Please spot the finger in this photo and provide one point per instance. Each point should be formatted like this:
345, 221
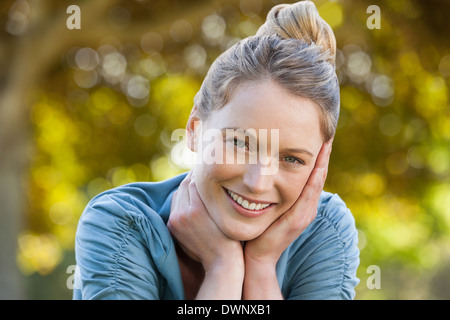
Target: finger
324, 155
182, 192
322, 162
194, 196
312, 188
186, 180
304, 209
325, 161
313, 202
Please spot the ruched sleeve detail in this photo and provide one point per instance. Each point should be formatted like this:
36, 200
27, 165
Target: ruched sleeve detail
122, 247
323, 261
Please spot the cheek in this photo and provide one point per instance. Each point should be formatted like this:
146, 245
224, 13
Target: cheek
217, 172
210, 179
217, 162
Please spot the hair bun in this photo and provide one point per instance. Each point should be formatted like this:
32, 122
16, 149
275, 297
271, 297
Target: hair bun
300, 20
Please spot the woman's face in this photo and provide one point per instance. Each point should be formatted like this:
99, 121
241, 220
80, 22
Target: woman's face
245, 197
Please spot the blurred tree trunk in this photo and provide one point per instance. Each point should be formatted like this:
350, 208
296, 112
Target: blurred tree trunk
13, 160
21, 69
14, 129
30, 57
14, 157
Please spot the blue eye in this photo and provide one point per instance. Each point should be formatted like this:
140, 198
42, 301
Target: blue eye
293, 160
239, 143
290, 159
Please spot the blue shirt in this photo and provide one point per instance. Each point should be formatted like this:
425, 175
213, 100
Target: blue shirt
125, 251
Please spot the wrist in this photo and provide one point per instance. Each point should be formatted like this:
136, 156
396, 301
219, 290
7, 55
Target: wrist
260, 261
223, 280
228, 258
260, 267
261, 280
226, 265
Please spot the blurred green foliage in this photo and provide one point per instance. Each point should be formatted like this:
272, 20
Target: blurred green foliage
105, 114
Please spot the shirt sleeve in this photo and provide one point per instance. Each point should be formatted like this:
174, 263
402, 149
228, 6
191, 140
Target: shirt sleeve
112, 251
325, 258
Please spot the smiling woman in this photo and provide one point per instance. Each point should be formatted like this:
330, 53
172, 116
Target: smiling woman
255, 105
232, 229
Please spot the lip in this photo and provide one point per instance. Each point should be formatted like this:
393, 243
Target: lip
246, 212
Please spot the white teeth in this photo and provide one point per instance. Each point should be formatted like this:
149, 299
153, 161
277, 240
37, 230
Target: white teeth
246, 204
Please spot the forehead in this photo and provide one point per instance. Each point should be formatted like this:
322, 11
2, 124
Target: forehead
266, 105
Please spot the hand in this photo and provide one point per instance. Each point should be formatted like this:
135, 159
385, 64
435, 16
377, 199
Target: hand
195, 231
269, 246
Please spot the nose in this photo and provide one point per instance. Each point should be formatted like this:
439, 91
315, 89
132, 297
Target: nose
256, 180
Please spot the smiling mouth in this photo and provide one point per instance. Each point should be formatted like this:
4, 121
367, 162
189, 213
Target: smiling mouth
247, 204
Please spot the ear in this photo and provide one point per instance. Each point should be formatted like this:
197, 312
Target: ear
192, 129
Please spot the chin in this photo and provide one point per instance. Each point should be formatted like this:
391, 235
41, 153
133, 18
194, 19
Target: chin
242, 232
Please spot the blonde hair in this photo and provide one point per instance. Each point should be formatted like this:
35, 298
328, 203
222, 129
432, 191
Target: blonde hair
295, 48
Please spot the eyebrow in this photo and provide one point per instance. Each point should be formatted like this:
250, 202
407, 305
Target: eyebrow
287, 150
298, 150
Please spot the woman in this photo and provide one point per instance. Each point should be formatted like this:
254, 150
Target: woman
237, 229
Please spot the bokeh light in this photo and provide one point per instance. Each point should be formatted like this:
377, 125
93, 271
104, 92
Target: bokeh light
108, 104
